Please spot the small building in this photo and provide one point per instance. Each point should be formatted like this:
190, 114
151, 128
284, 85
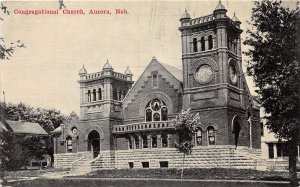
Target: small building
22, 128
274, 151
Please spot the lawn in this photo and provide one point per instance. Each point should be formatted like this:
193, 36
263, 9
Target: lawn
197, 173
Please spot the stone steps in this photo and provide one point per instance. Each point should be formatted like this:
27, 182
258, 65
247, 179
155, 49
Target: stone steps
200, 158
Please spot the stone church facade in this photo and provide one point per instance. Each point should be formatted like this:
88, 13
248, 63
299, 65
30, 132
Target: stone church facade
123, 124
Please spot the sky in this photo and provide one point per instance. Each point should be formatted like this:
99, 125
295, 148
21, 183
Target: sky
45, 73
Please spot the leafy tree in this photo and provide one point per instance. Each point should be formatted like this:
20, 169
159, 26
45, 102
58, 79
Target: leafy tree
49, 119
16, 149
30, 146
185, 126
274, 65
6, 48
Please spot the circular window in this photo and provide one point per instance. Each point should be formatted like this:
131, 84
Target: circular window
233, 74
204, 74
74, 130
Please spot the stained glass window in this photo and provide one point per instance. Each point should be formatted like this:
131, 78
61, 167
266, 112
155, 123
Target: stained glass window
156, 110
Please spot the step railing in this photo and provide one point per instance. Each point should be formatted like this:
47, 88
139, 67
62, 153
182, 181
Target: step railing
73, 164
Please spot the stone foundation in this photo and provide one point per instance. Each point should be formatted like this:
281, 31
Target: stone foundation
201, 157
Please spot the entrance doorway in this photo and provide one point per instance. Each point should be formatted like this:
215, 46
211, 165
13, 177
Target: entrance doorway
94, 143
236, 131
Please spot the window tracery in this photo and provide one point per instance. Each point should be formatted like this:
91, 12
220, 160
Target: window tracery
156, 110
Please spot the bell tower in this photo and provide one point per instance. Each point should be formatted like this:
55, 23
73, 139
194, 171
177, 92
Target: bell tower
211, 59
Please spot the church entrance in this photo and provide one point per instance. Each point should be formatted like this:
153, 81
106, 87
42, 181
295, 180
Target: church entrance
236, 131
94, 143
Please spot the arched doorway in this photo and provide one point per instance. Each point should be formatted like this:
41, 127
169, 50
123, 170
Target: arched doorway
94, 143
236, 131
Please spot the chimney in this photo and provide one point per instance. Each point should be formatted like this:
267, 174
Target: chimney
20, 117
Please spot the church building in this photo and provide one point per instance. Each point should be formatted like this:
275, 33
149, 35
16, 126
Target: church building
126, 124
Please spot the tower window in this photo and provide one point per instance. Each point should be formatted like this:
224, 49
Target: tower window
195, 43
262, 129
155, 81
211, 136
156, 110
210, 42
202, 44
94, 95
99, 94
89, 96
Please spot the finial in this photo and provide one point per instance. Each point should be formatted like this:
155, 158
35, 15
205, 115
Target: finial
153, 58
107, 60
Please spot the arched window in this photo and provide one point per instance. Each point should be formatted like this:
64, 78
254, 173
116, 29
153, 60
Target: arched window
99, 94
198, 137
145, 141
164, 114
129, 143
154, 141
210, 42
156, 110
137, 142
69, 144
211, 136
202, 44
89, 96
148, 115
156, 117
94, 95
195, 43
164, 140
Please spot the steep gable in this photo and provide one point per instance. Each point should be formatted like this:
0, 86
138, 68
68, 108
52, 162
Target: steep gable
168, 89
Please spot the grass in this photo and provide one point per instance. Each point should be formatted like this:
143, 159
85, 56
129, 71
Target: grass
191, 173
15, 175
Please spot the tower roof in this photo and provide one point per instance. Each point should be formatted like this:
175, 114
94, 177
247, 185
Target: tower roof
82, 71
235, 19
185, 15
220, 6
107, 66
127, 71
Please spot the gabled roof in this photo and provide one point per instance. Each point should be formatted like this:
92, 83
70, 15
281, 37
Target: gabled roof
57, 130
23, 127
177, 73
71, 116
174, 76
4, 125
